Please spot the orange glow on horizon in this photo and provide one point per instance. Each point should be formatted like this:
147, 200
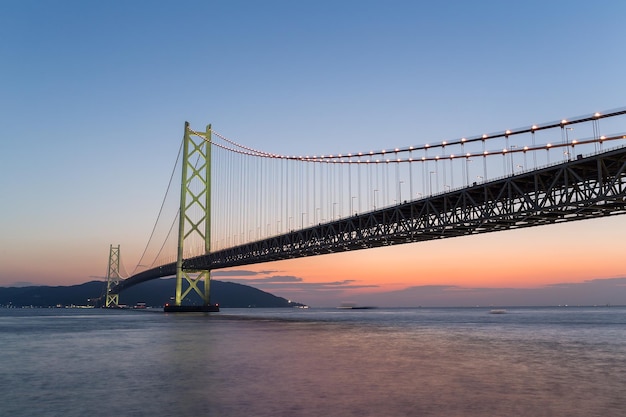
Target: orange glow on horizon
524, 258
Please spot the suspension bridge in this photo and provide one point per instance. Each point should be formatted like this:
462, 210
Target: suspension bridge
239, 206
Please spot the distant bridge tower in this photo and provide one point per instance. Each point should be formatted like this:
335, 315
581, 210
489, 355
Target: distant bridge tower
113, 277
195, 213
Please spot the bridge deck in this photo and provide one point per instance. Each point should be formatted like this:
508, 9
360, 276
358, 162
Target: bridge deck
582, 188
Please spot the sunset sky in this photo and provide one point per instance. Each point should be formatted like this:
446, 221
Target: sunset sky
94, 95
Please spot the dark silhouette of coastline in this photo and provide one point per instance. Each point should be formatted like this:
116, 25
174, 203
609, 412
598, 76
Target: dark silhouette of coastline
154, 294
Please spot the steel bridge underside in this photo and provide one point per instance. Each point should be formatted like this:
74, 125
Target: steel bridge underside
583, 188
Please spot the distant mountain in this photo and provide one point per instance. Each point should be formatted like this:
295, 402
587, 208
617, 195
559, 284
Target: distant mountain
154, 293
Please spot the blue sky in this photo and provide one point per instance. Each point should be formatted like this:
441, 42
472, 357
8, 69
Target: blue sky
93, 97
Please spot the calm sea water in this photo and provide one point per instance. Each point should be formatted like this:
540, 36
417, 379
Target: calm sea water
257, 362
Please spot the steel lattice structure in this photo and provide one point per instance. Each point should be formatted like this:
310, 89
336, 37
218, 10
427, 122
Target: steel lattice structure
196, 170
582, 188
113, 277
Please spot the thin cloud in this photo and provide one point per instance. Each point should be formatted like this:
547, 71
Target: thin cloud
298, 284
333, 285
22, 284
240, 273
592, 292
274, 279
433, 288
597, 282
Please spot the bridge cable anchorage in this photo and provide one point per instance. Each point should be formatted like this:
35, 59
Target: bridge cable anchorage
265, 206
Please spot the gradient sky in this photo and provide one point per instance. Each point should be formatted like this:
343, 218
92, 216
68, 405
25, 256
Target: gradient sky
94, 95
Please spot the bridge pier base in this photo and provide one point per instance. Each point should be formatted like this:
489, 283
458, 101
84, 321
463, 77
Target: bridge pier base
211, 308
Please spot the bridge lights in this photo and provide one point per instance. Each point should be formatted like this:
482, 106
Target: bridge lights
548, 146
525, 150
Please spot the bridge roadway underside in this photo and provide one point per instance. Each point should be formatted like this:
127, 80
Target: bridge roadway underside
582, 188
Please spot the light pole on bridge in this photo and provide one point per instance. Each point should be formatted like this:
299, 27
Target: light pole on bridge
430, 182
567, 154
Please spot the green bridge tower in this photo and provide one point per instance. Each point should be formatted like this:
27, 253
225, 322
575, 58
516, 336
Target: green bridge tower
113, 276
194, 219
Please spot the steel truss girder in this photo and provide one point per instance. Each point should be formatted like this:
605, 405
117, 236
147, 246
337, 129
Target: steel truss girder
574, 190
579, 189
